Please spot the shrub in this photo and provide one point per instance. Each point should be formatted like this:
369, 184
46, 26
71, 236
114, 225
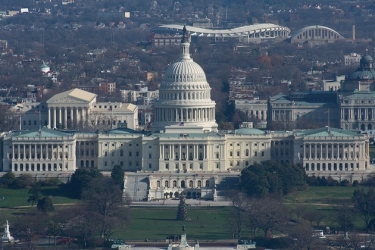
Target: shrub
344, 183
355, 183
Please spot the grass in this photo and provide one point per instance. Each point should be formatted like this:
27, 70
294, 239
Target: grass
321, 195
158, 223
18, 197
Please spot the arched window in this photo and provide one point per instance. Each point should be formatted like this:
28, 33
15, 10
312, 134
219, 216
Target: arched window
207, 183
174, 183
166, 184
183, 184
307, 167
199, 183
190, 184
158, 184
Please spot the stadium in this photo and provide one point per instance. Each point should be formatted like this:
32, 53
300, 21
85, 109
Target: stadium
243, 33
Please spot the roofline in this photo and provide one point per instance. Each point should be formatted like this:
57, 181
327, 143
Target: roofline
314, 27
235, 32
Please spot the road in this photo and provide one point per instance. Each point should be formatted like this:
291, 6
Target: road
174, 203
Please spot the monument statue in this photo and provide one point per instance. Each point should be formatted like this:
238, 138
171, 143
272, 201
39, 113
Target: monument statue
6, 236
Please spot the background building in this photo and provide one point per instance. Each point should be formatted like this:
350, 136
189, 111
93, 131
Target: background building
315, 35
185, 152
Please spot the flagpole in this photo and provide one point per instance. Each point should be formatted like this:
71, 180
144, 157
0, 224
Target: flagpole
328, 117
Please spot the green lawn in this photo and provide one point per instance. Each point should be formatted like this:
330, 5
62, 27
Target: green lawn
18, 197
158, 223
321, 195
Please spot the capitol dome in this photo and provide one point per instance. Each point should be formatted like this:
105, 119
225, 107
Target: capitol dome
185, 71
365, 71
184, 96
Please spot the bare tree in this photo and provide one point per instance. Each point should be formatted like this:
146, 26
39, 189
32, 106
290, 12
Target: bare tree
299, 211
267, 214
303, 236
104, 198
345, 217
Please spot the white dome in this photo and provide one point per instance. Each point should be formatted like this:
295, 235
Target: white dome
184, 71
184, 97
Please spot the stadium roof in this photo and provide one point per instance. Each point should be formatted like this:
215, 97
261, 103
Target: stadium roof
312, 27
235, 32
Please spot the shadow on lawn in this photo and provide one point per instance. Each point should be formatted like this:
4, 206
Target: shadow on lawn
55, 191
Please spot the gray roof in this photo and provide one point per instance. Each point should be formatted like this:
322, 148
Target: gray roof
122, 131
78, 94
328, 132
249, 131
44, 132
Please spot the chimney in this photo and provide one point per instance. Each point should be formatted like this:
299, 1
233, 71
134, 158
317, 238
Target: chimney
353, 32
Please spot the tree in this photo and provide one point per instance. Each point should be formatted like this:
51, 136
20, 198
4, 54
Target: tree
24, 181
303, 236
9, 179
345, 217
240, 205
34, 194
81, 181
182, 209
117, 175
364, 203
104, 197
45, 205
299, 211
271, 177
267, 214
54, 229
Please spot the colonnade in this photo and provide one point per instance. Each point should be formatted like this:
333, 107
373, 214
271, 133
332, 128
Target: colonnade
184, 114
41, 157
281, 115
67, 117
337, 151
183, 152
351, 114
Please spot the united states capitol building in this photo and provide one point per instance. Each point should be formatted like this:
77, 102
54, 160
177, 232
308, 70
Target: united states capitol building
184, 152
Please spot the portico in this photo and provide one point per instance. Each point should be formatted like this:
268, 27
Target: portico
70, 109
67, 117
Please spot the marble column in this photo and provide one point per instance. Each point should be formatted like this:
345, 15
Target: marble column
60, 117
49, 118
54, 118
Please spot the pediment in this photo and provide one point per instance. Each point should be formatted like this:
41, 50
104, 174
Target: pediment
69, 100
